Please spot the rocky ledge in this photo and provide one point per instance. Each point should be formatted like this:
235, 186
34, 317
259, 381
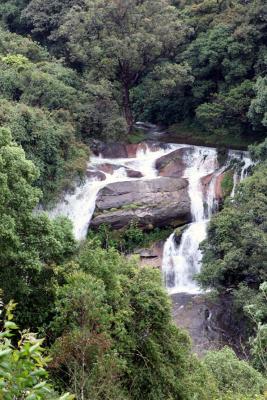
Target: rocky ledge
173, 164
152, 203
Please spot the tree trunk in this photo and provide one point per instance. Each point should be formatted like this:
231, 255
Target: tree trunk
127, 108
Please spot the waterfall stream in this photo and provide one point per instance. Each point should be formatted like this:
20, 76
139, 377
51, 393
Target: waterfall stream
80, 205
180, 261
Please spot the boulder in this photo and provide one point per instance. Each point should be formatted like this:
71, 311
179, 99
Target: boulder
173, 164
108, 168
131, 150
122, 150
152, 203
133, 174
152, 256
114, 150
98, 175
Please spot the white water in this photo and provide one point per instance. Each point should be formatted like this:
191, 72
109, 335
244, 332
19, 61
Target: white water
181, 263
240, 173
80, 205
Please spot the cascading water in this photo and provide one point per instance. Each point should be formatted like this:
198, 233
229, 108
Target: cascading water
80, 205
181, 262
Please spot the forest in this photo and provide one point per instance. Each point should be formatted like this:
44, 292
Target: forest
80, 319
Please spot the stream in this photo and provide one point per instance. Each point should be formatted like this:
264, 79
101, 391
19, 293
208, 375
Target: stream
181, 259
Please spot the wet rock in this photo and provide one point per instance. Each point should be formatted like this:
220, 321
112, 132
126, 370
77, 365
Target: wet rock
98, 175
179, 233
152, 256
108, 168
218, 187
133, 174
114, 150
172, 165
152, 203
122, 150
97, 146
205, 181
131, 150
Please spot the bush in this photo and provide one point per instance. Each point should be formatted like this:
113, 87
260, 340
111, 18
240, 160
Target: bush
233, 375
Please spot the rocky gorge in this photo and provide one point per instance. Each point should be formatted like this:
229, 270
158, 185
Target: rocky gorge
159, 185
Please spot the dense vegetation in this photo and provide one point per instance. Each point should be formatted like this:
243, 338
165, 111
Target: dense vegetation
235, 255
71, 72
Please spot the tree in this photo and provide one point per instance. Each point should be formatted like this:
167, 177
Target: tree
256, 309
84, 347
30, 244
258, 107
234, 376
120, 40
112, 314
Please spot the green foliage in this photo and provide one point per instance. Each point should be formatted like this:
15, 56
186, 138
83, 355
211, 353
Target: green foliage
258, 107
115, 314
256, 309
259, 152
48, 140
127, 240
235, 250
30, 244
22, 367
227, 183
117, 41
235, 256
234, 376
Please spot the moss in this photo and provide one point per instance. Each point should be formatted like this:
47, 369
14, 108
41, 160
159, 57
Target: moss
132, 206
228, 183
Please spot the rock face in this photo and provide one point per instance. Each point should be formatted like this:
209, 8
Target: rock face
206, 180
157, 202
121, 150
152, 256
173, 165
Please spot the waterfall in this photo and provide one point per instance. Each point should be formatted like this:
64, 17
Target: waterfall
240, 174
79, 206
181, 262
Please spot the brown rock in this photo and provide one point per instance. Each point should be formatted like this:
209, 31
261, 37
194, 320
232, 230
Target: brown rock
133, 174
100, 176
156, 202
205, 181
172, 164
108, 168
131, 150
218, 187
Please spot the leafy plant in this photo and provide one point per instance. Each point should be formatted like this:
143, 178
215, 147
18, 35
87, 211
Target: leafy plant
23, 372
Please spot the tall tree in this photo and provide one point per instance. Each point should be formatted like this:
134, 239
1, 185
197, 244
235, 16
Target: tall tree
121, 40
